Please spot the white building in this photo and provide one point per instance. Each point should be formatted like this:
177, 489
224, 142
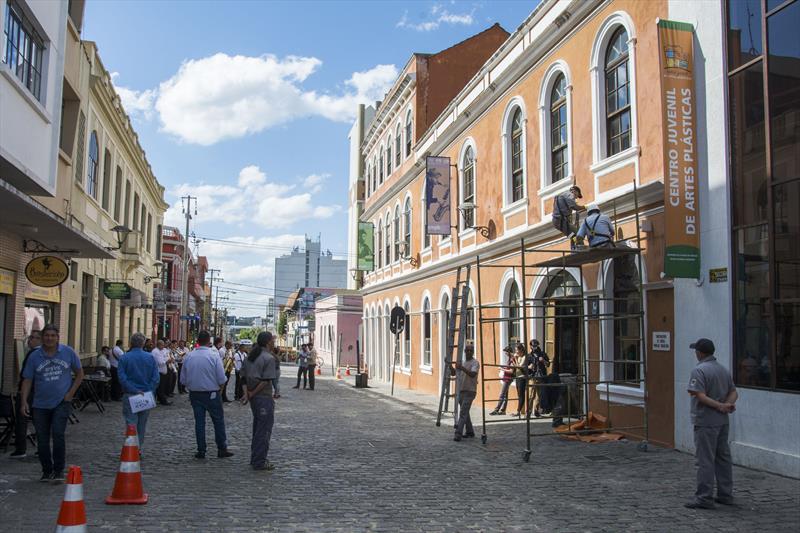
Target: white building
307, 267
356, 188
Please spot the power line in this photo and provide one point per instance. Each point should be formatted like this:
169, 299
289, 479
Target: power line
240, 244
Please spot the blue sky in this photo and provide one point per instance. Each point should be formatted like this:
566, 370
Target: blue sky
248, 105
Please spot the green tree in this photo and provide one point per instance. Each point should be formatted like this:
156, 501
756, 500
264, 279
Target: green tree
282, 324
250, 333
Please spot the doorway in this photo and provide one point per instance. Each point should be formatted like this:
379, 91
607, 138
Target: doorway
562, 324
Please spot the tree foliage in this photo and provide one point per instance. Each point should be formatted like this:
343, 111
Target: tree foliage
250, 333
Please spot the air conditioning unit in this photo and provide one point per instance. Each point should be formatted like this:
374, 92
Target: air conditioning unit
131, 243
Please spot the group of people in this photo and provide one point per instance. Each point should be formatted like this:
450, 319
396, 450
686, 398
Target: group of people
306, 363
522, 367
52, 373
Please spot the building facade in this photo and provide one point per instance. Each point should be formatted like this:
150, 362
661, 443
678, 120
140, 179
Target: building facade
337, 325
567, 99
309, 267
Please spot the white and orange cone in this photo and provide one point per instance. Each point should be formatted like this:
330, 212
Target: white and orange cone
319, 371
347, 372
128, 487
72, 516
338, 373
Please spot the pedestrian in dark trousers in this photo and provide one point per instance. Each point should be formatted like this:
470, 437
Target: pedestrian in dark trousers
203, 377
302, 366
180, 353
116, 355
49, 373
311, 364
259, 371
506, 375
713, 397
138, 373
520, 377
238, 358
20, 420
467, 378
161, 355
536, 365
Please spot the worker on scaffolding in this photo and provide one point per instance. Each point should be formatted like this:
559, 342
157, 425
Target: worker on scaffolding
564, 205
597, 227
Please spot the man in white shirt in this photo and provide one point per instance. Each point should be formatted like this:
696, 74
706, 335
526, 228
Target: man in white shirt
161, 355
238, 358
116, 355
219, 345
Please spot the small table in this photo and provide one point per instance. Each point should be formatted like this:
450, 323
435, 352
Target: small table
90, 392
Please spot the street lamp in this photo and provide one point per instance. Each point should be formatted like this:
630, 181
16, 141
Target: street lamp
122, 234
158, 265
470, 206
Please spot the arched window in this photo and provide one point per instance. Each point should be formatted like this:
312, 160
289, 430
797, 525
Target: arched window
559, 157
387, 238
426, 332
468, 186
369, 173
398, 145
407, 338
379, 242
380, 165
94, 158
617, 94
407, 227
374, 174
118, 194
627, 312
517, 151
409, 127
397, 234
106, 178
514, 333
389, 156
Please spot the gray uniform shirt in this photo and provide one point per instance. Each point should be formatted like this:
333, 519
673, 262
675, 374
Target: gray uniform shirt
468, 383
564, 204
264, 368
598, 228
713, 380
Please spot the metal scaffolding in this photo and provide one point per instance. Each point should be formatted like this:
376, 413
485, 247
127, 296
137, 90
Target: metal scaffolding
564, 302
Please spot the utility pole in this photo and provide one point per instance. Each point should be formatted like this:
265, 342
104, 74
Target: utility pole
187, 211
212, 271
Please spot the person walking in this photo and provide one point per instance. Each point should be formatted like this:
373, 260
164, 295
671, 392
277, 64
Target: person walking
302, 366
138, 373
180, 352
203, 376
506, 376
259, 371
116, 355
467, 378
713, 397
227, 366
20, 420
49, 372
311, 364
161, 357
238, 358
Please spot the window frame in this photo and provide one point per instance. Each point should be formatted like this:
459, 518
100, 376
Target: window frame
398, 145
464, 172
397, 229
407, 225
406, 360
92, 165
611, 67
556, 105
27, 65
426, 360
409, 131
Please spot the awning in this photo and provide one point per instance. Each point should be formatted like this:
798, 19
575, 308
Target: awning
22, 215
137, 299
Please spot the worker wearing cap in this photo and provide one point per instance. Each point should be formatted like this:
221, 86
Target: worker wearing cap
713, 396
597, 227
563, 206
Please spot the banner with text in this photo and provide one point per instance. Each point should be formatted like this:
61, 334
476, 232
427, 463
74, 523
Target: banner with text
437, 195
366, 246
681, 207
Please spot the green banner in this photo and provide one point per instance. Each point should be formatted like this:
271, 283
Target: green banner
366, 246
115, 290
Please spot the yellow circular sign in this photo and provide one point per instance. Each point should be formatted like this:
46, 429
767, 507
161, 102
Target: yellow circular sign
46, 271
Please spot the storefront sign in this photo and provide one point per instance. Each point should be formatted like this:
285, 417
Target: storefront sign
7, 278
43, 294
437, 195
681, 205
46, 271
366, 246
718, 275
661, 341
115, 290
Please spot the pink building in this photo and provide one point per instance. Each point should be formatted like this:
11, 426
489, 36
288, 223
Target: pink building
337, 326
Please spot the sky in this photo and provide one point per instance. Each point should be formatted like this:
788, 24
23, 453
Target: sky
247, 105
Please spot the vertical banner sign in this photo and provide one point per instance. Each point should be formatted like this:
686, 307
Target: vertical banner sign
366, 246
437, 195
681, 207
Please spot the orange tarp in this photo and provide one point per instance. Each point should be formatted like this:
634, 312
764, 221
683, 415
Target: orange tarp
591, 429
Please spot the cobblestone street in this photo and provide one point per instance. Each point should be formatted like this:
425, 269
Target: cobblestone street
350, 460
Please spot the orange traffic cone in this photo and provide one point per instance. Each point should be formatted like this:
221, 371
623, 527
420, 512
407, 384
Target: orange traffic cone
319, 371
128, 487
347, 372
72, 516
338, 373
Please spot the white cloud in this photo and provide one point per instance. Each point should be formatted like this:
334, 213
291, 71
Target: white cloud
225, 97
437, 16
254, 201
314, 182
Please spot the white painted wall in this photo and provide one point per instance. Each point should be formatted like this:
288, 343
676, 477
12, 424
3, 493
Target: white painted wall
765, 430
29, 129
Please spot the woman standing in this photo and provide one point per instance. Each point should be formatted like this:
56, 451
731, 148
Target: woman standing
520, 377
506, 376
258, 373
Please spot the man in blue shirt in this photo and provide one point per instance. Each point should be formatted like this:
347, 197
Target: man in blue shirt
49, 369
138, 373
204, 376
598, 228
